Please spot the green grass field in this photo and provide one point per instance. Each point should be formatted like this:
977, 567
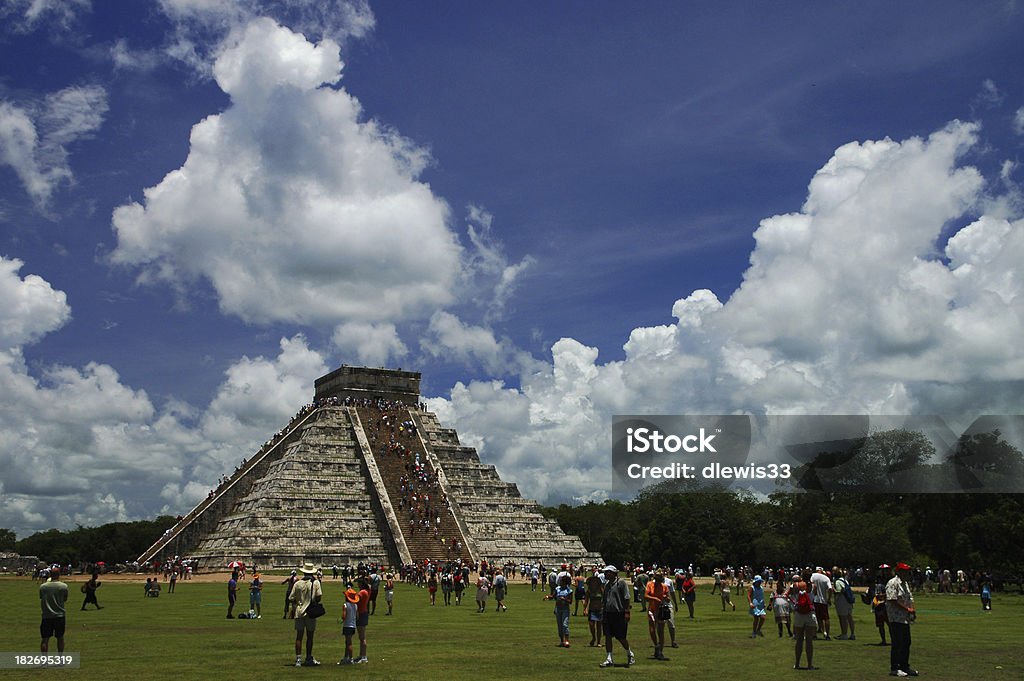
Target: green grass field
185, 635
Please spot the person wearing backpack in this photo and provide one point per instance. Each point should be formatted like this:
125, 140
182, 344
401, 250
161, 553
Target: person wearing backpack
805, 624
845, 599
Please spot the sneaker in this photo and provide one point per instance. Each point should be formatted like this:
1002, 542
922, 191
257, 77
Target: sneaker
912, 672
310, 662
298, 661
607, 663
898, 672
346, 660
632, 659
362, 660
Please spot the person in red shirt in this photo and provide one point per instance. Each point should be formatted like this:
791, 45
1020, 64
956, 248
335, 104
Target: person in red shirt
362, 619
656, 594
689, 591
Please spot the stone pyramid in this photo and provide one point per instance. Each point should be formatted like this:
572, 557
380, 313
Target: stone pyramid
365, 473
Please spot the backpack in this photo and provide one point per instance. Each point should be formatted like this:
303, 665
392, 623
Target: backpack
803, 603
848, 593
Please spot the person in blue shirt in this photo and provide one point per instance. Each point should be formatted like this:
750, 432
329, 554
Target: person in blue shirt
348, 623
563, 603
232, 593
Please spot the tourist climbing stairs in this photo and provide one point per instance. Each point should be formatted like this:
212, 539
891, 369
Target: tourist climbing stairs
412, 485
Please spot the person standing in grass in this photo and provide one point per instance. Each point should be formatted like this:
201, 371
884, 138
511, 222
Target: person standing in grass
656, 596
563, 601
304, 593
500, 589
844, 606
483, 587
780, 606
432, 587
580, 594
446, 586
459, 584
725, 589
348, 623
758, 609
617, 604
689, 591
89, 589
805, 623
256, 595
821, 594
389, 592
53, 595
593, 607
289, 581
363, 618
899, 607
232, 593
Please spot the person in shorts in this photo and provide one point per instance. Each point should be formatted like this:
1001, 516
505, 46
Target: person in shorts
805, 623
363, 618
593, 607
53, 595
617, 605
780, 606
348, 623
821, 594
304, 593
389, 592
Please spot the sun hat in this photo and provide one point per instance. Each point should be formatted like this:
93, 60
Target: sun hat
758, 578
351, 596
610, 568
308, 569
902, 566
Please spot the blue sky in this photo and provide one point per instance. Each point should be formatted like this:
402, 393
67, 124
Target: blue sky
555, 211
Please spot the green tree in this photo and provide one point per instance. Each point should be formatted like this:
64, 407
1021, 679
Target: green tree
7, 539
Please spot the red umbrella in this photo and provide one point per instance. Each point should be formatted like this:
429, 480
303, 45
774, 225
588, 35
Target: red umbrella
101, 563
236, 564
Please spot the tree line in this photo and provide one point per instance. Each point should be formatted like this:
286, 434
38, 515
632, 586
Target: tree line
111, 543
671, 527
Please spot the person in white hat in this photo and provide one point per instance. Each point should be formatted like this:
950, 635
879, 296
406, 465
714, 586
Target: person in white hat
305, 592
617, 604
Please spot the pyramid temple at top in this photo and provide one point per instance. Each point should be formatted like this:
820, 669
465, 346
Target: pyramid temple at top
366, 473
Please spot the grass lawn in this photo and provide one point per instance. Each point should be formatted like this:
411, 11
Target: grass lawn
185, 635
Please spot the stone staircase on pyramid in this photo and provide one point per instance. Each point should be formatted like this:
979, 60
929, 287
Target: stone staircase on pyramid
329, 489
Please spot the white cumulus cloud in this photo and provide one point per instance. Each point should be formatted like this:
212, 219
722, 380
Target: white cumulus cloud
79, 446
289, 204
856, 303
34, 138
